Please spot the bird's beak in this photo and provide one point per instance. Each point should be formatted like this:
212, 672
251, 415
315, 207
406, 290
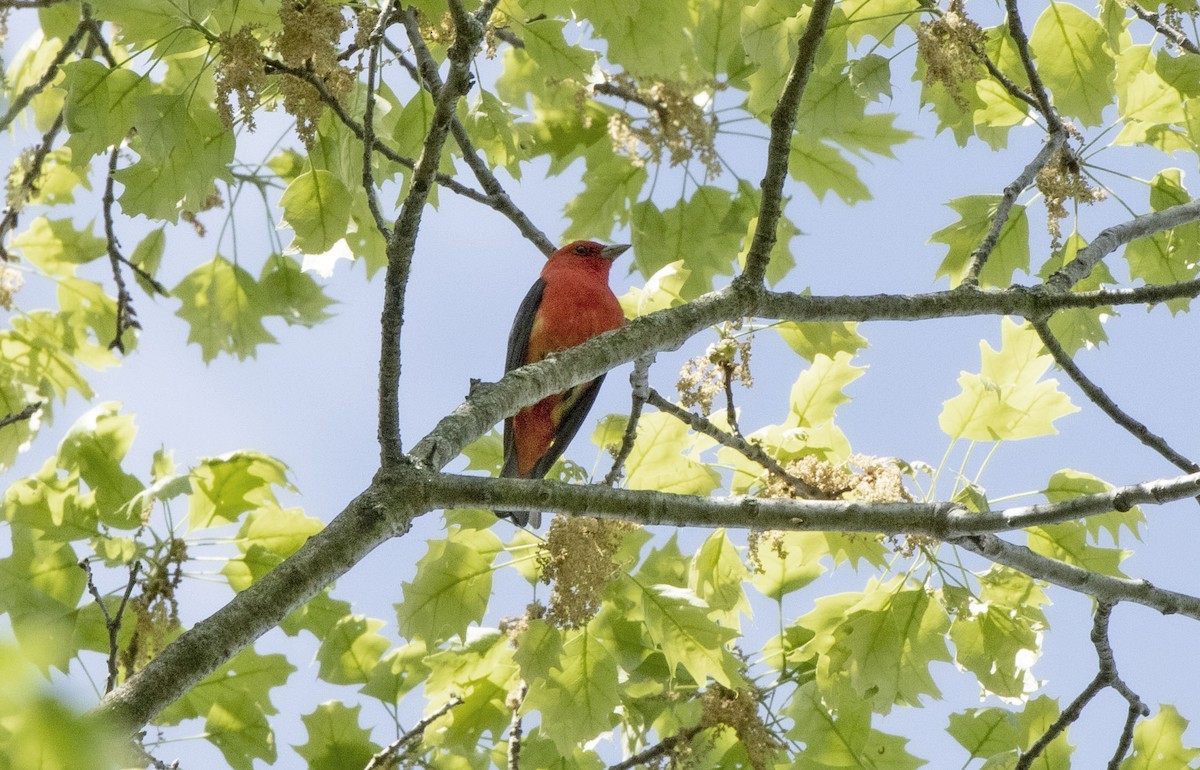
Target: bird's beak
614, 251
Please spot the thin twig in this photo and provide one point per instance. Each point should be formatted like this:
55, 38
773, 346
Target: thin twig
379, 759
1170, 33
639, 386
1017, 30
28, 184
368, 137
750, 450
662, 748
26, 413
126, 316
427, 70
783, 124
112, 623
1106, 404
21, 100
980, 255
1105, 677
515, 727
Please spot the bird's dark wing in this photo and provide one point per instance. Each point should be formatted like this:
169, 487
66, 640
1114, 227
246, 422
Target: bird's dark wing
518, 345
581, 398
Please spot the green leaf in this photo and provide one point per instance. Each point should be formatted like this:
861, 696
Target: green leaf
1007, 400
316, 205
148, 255
351, 650
184, 149
291, 294
984, 732
486, 453
716, 578
539, 649
871, 76
663, 290
225, 487
1167, 257
1068, 543
789, 561
224, 308
268, 536
318, 616
998, 636
1033, 722
1158, 742
482, 673
94, 447
823, 170
611, 186
57, 247
1010, 254
555, 59
579, 699
712, 216
1073, 61
886, 643
1077, 328
842, 737
397, 673
812, 338
335, 739
817, 392
643, 36
451, 588
663, 458
678, 621
101, 105
1144, 98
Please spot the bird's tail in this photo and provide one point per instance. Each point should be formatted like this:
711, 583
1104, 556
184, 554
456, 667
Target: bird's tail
522, 518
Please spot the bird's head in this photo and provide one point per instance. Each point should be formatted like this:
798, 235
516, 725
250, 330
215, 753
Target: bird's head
591, 250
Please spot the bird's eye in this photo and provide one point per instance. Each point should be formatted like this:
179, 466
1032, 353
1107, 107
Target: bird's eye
581, 250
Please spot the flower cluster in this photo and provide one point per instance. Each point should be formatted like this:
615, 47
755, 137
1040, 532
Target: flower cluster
239, 71
11, 282
703, 378
1061, 180
156, 609
676, 121
950, 47
738, 710
311, 29
577, 560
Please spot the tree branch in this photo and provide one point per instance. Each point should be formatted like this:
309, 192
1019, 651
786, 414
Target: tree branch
21, 100
1106, 404
126, 316
1170, 33
748, 449
25, 414
402, 244
1017, 30
1106, 676
639, 387
376, 515
383, 757
1102, 587
1118, 235
428, 73
979, 256
368, 125
779, 148
112, 623
660, 749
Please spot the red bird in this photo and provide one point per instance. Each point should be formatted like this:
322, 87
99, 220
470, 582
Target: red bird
568, 305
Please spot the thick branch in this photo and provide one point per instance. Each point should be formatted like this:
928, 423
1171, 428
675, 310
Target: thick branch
1107, 405
370, 519
942, 520
1102, 587
779, 148
1118, 235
